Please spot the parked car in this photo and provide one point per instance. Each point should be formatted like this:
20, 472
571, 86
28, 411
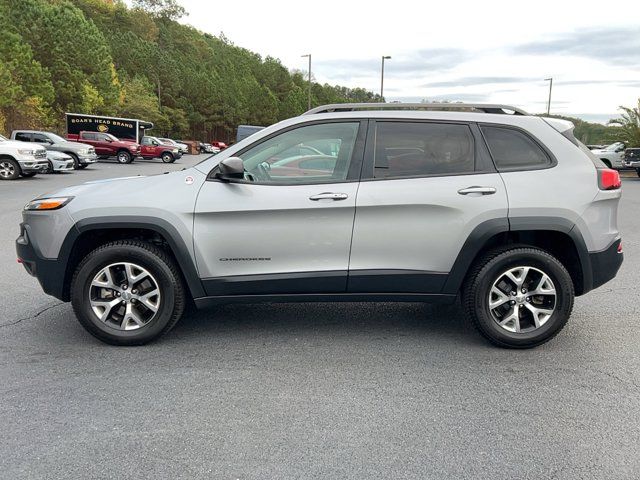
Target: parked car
207, 148
631, 159
152, 147
220, 145
106, 145
611, 155
82, 154
21, 159
488, 204
183, 147
59, 162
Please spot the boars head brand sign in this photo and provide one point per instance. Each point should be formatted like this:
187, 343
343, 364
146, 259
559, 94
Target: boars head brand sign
122, 128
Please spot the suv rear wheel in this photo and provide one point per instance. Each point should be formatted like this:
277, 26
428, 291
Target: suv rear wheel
9, 169
520, 297
127, 293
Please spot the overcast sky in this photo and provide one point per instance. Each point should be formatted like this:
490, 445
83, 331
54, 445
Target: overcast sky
476, 51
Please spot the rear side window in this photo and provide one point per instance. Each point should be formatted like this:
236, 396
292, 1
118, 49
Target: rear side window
89, 136
23, 137
513, 149
404, 149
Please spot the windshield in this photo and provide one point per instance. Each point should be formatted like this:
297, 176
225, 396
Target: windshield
612, 147
55, 138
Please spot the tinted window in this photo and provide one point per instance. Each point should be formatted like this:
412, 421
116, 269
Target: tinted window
310, 154
23, 137
513, 149
38, 137
89, 136
417, 149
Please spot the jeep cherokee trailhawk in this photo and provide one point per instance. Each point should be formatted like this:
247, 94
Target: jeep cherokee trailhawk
355, 202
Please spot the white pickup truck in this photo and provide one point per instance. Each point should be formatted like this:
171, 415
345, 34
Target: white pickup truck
21, 159
611, 155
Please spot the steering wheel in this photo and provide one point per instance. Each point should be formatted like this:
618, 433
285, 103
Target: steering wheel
262, 172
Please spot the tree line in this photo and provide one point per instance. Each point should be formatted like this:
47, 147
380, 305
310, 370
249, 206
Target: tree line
103, 57
106, 58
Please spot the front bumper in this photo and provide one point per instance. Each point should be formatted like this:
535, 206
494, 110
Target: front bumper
631, 163
34, 166
49, 272
87, 159
62, 165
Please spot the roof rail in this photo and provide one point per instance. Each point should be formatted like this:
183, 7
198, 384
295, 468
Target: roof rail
479, 107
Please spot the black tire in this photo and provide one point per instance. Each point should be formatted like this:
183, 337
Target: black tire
476, 291
29, 174
168, 157
76, 161
606, 162
49, 168
147, 256
124, 157
638, 171
9, 169
82, 166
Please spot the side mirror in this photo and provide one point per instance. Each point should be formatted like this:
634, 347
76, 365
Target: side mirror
231, 168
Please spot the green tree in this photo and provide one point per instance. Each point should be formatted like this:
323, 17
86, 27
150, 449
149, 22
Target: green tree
629, 123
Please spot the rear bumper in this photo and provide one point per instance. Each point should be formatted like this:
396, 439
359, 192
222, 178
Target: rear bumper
605, 264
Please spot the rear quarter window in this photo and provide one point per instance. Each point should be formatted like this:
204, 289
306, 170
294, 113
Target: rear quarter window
514, 150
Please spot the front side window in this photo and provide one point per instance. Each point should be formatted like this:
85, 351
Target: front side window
410, 149
310, 154
512, 149
38, 137
23, 137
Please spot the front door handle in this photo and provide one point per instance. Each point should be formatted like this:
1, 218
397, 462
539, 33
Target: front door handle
479, 190
329, 196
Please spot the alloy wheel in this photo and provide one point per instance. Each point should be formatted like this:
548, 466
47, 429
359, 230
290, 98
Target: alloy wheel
522, 299
125, 296
7, 170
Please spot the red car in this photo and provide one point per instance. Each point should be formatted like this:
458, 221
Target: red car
220, 145
106, 145
154, 148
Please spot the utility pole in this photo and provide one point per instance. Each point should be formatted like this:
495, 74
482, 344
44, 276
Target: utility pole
309, 55
384, 57
550, 80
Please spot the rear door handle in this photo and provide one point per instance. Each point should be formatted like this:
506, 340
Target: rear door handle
476, 189
329, 196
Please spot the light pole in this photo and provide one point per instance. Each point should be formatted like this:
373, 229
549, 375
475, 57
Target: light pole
550, 80
384, 57
309, 55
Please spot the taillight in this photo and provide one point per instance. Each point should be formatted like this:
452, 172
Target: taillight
608, 179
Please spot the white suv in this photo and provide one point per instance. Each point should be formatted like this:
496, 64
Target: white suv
21, 159
369, 202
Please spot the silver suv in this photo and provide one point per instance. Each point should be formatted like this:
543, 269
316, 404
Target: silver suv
356, 202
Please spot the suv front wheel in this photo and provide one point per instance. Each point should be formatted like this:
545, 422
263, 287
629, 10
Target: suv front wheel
519, 297
127, 293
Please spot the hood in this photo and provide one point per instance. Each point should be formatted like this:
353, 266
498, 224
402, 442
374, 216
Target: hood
21, 145
72, 145
53, 155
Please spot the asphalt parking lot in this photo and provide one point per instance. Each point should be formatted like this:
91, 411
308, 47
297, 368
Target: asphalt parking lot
315, 390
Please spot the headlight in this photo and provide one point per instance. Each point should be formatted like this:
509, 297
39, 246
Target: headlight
48, 203
84, 152
27, 152
175, 150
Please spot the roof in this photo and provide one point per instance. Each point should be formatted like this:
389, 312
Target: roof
465, 107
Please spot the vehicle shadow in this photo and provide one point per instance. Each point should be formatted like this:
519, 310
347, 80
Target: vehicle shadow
436, 322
